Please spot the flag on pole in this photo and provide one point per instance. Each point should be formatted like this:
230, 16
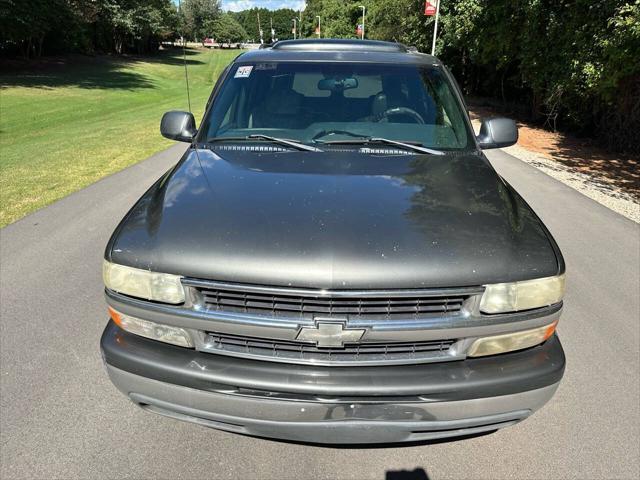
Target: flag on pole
359, 29
430, 8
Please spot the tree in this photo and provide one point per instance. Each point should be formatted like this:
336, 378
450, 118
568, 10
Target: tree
339, 18
61, 26
26, 24
134, 25
194, 15
225, 29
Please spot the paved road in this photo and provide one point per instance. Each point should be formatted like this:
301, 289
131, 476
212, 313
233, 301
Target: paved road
61, 418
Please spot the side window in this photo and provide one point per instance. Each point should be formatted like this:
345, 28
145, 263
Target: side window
231, 117
226, 120
449, 112
217, 84
458, 89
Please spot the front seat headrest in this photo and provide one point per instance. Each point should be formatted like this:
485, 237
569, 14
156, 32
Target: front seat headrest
380, 104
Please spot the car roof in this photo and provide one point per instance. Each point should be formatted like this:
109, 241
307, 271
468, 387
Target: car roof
337, 50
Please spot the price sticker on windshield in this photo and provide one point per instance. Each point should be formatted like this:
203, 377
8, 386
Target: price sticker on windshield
243, 72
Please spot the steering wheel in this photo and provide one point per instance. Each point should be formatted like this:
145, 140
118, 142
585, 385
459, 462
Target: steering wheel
400, 111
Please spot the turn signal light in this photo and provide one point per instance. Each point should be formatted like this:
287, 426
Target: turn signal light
148, 329
510, 342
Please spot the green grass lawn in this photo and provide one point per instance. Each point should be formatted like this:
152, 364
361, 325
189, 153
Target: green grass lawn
65, 124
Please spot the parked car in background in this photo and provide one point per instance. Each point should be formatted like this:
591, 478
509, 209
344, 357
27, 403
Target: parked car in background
209, 43
335, 260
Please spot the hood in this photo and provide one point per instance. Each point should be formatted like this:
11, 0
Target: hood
340, 219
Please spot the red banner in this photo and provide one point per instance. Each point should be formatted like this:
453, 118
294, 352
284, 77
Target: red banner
429, 8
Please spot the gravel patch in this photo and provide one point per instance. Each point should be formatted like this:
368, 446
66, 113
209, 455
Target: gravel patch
598, 189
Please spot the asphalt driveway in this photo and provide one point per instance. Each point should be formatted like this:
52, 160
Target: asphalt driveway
60, 416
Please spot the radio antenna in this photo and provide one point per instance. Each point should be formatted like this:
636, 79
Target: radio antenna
184, 59
194, 145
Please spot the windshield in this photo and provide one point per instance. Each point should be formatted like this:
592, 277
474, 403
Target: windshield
339, 102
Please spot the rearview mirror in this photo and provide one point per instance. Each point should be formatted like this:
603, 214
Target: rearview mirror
177, 125
337, 84
497, 133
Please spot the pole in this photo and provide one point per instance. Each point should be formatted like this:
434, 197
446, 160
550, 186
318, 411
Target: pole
319, 34
294, 27
363, 14
260, 28
299, 23
435, 28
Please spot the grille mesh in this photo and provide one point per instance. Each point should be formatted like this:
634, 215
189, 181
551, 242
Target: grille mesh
292, 305
356, 352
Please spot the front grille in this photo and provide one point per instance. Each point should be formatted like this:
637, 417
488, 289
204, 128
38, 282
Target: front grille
271, 308
306, 305
294, 351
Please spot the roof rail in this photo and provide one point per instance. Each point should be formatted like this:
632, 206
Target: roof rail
340, 45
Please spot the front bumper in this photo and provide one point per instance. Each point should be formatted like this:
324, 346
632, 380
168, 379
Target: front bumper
339, 405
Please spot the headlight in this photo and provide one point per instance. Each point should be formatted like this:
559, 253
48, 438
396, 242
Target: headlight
511, 341
155, 331
160, 287
512, 297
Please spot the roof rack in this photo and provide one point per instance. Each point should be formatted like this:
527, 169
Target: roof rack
340, 45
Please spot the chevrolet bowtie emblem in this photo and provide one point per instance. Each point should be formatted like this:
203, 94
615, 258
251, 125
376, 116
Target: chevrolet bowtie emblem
330, 334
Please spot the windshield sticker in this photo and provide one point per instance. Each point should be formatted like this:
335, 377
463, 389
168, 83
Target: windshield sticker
243, 72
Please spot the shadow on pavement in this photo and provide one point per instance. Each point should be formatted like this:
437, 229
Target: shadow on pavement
416, 474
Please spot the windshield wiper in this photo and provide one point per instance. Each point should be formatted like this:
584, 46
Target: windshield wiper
370, 140
327, 133
281, 141
408, 146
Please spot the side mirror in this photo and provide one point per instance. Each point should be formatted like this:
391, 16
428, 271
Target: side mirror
177, 125
497, 133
